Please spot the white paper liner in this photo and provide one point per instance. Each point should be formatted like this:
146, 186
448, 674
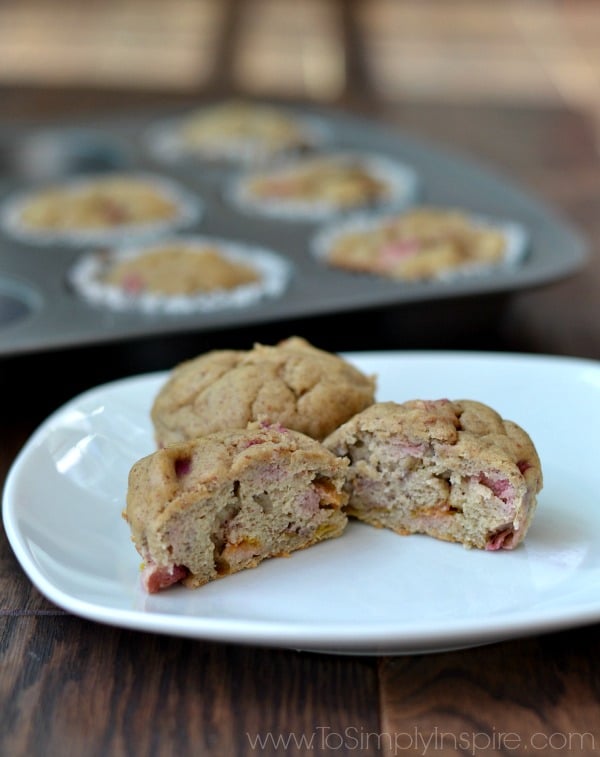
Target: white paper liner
274, 271
166, 143
189, 211
515, 236
402, 180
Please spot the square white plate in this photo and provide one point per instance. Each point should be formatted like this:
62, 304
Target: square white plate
368, 592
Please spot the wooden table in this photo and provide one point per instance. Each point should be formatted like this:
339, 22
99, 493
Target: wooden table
72, 687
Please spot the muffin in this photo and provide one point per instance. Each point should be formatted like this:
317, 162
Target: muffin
320, 186
420, 244
236, 131
99, 208
180, 275
292, 383
203, 509
172, 269
454, 470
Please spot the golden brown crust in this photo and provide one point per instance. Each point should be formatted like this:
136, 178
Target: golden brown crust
418, 244
342, 181
237, 126
106, 202
292, 383
179, 269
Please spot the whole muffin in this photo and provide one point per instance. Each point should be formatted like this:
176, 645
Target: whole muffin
236, 132
100, 209
454, 470
180, 274
209, 507
421, 244
292, 383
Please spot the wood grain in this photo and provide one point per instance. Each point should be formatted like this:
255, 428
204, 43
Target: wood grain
70, 687
17, 595
524, 697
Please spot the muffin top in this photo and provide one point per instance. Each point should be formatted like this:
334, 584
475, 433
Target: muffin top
320, 186
338, 180
179, 274
236, 133
107, 208
420, 244
179, 269
104, 202
292, 383
238, 123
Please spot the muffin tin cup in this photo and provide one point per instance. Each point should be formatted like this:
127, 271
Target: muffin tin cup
165, 141
402, 183
85, 277
516, 241
19, 300
189, 211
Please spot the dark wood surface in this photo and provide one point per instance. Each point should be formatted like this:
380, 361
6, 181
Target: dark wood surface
72, 687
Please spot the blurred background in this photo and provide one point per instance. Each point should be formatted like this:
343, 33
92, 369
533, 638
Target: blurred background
533, 51
514, 83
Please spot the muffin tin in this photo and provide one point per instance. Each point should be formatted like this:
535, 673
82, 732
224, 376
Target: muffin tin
39, 310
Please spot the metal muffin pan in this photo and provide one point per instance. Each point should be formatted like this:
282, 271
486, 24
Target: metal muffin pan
39, 311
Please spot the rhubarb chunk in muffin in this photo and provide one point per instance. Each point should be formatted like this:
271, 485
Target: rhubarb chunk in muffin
203, 509
453, 470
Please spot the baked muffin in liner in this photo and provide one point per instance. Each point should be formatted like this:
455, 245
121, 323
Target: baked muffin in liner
320, 187
236, 132
421, 244
180, 275
102, 208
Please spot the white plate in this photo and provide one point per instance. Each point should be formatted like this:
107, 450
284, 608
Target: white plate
368, 592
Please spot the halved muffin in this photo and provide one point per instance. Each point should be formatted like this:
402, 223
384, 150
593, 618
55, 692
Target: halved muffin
454, 470
219, 504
